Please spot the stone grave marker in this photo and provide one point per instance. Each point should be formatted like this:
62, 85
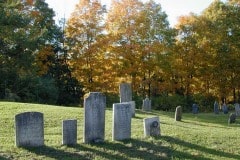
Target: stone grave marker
69, 132
237, 109
225, 108
94, 117
232, 118
125, 92
178, 113
29, 129
151, 126
146, 105
133, 106
121, 121
216, 107
195, 108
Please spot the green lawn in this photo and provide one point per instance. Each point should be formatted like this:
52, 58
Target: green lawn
203, 136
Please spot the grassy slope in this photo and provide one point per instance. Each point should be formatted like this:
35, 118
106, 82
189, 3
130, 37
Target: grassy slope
203, 136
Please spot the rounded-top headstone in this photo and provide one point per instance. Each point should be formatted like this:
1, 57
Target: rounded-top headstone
178, 113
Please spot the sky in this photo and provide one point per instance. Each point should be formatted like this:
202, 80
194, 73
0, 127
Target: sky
173, 8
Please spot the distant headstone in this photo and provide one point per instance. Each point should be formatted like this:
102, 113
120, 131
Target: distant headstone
237, 109
216, 107
178, 113
225, 108
121, 121
195, 108
232, 118
94, 117
29, 129
146, 105
151, 126
69, 132
125, 92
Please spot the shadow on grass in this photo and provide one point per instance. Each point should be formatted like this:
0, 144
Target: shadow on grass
4, 158
206, 150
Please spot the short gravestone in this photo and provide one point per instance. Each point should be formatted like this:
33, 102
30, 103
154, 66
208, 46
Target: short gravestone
146, 106
125, 92
195, 108
121, 121
94, 117
225, 108
237, 109
216, 107
178, 113
151, 126
232, 118
69, 132
29, 129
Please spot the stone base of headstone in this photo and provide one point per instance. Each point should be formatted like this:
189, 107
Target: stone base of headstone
232, 118
151, 126
121, 121
146, 106
29, 129
178, 113
69, 132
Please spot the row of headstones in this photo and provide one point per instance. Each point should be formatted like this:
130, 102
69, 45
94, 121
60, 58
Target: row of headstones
30, 125
231, 119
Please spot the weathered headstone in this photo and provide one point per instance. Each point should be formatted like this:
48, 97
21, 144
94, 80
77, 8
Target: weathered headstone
232, 118
69, 132
178, 113
146, 105
133, 106
151, 126
29, 129
216, 107
94, 117
121, 121
125, 92
237, 109
195, 108
225, 108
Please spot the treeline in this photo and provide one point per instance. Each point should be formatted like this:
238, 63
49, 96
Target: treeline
196, 61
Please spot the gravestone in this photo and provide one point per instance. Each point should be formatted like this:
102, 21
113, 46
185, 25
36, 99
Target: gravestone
178, 113
195, 108
146, 104
125, 92
133, 106
151, 126
232, 118
225, 108
29, 129
94, 117
69, 132
216, 107
237, 109
121, 121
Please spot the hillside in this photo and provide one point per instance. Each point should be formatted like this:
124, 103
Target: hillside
203, 136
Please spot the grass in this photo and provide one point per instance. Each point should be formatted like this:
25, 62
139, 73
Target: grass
203, 136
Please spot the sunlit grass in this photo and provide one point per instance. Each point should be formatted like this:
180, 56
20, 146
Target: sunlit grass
201, 136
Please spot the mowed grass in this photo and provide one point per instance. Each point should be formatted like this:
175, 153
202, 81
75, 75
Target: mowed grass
203, 136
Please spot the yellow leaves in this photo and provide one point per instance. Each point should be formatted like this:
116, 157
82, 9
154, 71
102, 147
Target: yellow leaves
43, 59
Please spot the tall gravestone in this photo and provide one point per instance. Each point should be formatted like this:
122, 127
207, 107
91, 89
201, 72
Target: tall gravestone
69, 132
151, 126
178, 113
125, 92
121, 121
146, 105
195, 108
29, 129
225, 108
94, 117
237, 109
216, 107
